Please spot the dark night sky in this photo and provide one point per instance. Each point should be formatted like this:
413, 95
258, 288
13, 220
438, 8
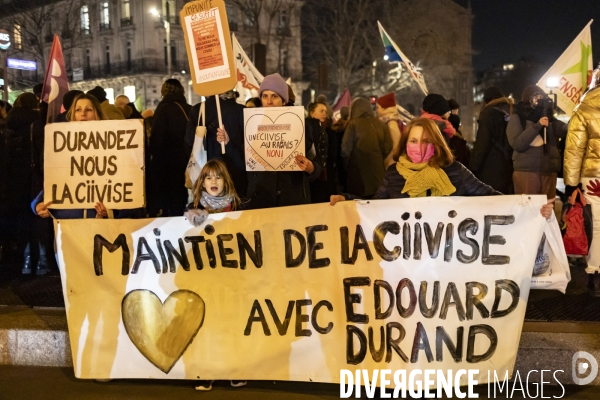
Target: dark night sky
508, 30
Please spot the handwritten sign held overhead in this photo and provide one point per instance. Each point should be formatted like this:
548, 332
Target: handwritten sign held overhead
274, 136
94, 161
208, 44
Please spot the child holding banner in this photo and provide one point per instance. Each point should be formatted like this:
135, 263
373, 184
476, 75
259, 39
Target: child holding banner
214, 192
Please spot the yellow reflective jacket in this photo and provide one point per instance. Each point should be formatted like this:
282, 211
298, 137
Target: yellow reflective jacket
582, 148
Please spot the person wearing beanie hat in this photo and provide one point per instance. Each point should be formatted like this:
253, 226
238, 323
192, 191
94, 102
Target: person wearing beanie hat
67, 102
492, 93
286, 188
531, 91
273, 91
110, 110
387, 101
388, 114
491, 158
453, 106
436, 107
534, 133
436, 104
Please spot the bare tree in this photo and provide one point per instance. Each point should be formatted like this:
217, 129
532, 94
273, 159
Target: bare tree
34, 24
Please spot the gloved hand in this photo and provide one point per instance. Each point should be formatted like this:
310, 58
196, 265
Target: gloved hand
196, 217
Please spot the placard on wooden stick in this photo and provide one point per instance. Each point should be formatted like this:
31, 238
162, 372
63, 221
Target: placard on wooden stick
208, 44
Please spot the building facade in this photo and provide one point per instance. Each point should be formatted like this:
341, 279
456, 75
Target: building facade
121, 45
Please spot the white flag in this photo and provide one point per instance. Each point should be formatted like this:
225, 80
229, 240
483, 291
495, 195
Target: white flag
572, 70
249, 78
394, 54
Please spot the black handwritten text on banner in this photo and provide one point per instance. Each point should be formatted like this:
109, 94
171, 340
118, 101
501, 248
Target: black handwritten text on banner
299, 293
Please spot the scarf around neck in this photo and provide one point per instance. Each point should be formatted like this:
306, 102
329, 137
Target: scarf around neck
422, 177
215, 203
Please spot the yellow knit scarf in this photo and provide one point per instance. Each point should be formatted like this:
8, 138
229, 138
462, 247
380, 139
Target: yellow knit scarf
422, 177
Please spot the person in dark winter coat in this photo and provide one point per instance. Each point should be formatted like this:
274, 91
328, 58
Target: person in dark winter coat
17, 178
232, 115
326, 146
366, 143
275, 189
491, 158
166, 183
536, 159
426, 167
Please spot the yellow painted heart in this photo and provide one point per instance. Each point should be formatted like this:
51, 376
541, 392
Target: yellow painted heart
162, 331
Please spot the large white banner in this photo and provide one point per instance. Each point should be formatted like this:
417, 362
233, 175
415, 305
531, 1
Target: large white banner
94, 161
273, 138
300, 293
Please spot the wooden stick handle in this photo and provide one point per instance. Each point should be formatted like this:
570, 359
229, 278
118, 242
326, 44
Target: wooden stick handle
220, 121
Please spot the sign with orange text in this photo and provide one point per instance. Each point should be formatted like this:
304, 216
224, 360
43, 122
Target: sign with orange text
274, 136
301, 293
208, 43
94, 161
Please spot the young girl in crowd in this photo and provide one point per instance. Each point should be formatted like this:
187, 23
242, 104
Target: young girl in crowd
213, 193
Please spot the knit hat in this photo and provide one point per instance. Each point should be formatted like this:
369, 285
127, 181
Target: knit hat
69, 97
435, 104
492, 93
530, 91
387, 101
98, 93
275, 83
454, 120
453, 104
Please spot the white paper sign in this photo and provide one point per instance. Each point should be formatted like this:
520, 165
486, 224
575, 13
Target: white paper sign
94, 161
207, 43
274, 136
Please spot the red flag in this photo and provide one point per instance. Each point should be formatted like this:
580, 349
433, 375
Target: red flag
56, 82
344, 100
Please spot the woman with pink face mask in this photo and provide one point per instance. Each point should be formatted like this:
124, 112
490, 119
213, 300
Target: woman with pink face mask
425, 166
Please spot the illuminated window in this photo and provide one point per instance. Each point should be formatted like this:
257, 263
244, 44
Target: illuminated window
104, 16
508, 67
17, 36
85, 20
125, 10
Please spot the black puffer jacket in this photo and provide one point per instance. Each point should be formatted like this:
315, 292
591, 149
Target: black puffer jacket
464, 181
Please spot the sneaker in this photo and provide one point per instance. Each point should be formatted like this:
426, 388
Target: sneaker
238, 383
204, 386
26, 266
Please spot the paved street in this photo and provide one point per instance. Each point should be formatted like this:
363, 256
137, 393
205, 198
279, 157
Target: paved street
59, 383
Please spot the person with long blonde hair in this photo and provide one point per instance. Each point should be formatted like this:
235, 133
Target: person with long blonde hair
425, 166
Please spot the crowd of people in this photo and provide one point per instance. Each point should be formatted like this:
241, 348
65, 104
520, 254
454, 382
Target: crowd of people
366, 153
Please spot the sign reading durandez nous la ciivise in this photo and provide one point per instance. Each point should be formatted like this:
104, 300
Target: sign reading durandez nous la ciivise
94, 161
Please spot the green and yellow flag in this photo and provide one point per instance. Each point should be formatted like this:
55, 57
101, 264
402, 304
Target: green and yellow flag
572, 71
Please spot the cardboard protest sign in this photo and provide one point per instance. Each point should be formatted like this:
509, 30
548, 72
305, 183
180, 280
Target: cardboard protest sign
208, 44
300, 293
273, 137
94, 161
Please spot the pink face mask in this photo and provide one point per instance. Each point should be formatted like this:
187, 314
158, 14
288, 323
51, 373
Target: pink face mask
414, 152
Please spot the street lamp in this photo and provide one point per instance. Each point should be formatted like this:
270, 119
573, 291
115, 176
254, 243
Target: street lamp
167, 22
